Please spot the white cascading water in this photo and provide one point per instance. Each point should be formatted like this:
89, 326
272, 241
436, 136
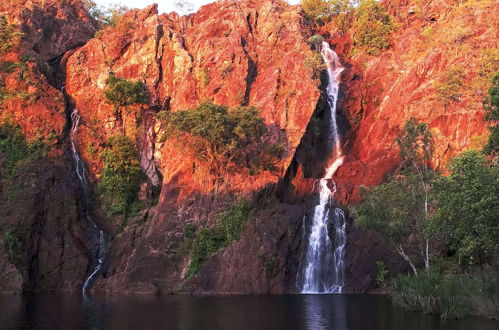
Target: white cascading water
80, 172
324, 263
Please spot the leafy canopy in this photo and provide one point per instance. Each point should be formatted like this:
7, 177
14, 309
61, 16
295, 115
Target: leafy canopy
121, 175
467, 203
373, 27
398, 209
122, 92
8, 35
492, 116
216, 135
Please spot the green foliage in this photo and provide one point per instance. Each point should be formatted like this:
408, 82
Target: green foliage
451, 87
217, 136
13, 246
16, 149
467, 204
398, 209
230, 225
122, 92
121, 176
492, 116
382, 272
416, 146
318, 11
9, 35
373, 27
109, 16
315, 62
316, 40
450, 296
268, 262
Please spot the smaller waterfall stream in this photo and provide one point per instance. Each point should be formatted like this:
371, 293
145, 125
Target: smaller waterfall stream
323, 270
81, 173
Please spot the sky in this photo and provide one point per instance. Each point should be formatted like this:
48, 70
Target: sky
164, 5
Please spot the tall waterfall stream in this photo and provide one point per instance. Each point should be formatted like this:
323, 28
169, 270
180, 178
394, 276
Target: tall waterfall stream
80, 170
323, 267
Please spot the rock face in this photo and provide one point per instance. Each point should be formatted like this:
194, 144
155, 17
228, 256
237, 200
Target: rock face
250, 53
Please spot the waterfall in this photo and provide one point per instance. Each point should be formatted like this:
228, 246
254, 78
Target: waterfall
323, 270
81, 173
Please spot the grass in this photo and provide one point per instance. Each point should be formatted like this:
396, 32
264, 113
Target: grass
453, 296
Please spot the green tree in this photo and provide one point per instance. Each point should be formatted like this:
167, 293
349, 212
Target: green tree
318, 11
373, 27
216, 135
8, 35
121, 175
122, 92
492, 116
398, 209
467, 204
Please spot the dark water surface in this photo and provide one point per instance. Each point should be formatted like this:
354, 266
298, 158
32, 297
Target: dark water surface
339, 312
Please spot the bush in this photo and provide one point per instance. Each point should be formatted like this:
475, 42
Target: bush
450, 89
8, 35
121, 92
217, 136
315, 62
121, 176
230, 225
15, 148
318, 11
373, 27
492, 116
453, 296
13, 246
316, 41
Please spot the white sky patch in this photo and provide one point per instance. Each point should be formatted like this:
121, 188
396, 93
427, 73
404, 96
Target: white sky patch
165, 6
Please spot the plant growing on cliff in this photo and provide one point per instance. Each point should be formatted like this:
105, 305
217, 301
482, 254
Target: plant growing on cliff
122, 92
217, 136
373, 26
121, 175
16, 149
492, 117
316, 64
399, 208
9, 35
230, 225
451, 87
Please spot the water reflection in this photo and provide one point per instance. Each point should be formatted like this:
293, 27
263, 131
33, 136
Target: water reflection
337, 312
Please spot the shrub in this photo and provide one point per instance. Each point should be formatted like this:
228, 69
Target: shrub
382, 272
492, 116
316, 40
15, 148
230, 225
268, 262
315, 62
217, 136
13, 246
373, 27
122, 92
121, 176
318, 11
450, 89
8, 35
